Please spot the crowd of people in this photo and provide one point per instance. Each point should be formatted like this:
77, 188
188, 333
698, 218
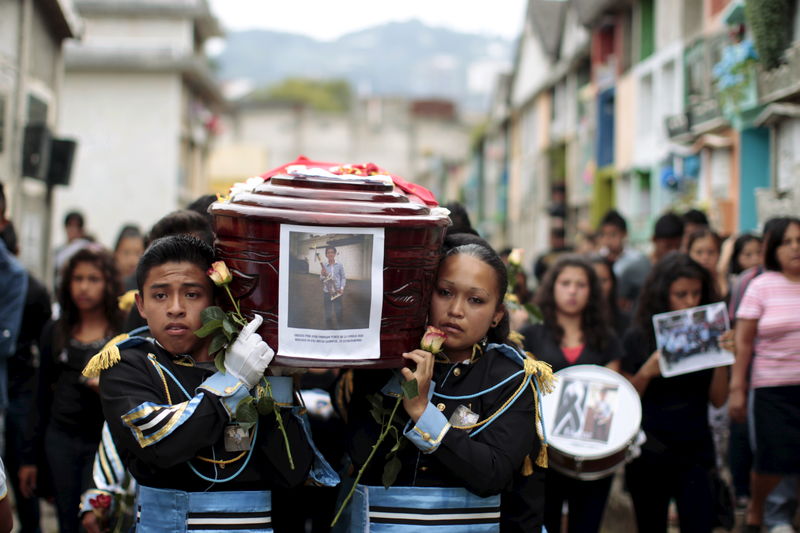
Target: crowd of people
700, 421
468, 450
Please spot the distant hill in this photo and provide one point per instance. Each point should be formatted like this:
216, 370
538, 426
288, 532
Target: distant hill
398, 58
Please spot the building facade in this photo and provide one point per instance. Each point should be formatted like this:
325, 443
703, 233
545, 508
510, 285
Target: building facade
142, 103
646, 106
32, 34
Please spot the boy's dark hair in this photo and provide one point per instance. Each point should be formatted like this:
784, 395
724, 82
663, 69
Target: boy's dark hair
613, 218
774, 238
668, 226
73, 216
331, 248
460, 219
174, 249
695, 216
201, 205
182, 222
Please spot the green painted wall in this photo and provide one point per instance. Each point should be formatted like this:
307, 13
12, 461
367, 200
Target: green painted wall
647, 27
754, 168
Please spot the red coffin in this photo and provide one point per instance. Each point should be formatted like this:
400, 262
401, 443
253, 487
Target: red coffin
248, 240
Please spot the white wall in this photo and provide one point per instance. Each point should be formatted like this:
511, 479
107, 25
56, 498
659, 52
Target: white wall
126, 166
140, 34
532, 70
659, 93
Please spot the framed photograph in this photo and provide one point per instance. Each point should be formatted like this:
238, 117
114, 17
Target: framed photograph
585, 410
688, 339
331, 292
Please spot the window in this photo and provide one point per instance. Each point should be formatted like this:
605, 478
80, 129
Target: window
646, 104
37, 110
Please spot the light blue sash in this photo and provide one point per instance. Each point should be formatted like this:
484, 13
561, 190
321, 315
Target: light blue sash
175, 511
429, 509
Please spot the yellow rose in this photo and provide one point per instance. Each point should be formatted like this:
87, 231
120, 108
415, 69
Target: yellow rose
432, 340
515, 257
219, 273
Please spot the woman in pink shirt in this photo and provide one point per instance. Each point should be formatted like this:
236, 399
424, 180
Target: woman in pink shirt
768, 325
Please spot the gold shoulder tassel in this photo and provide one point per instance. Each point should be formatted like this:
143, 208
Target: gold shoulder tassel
527, 467
105, 358
541, 459
543, 374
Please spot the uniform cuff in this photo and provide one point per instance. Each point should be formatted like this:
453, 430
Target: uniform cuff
429, 431
282, 388
229, 390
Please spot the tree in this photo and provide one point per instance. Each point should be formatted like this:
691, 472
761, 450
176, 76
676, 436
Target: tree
323, 95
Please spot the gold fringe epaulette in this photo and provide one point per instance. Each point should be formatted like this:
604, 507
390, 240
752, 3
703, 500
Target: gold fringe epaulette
517, 339
545, 384
542, 373
105, 358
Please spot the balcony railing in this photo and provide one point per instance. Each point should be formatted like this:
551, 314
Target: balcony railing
782, 82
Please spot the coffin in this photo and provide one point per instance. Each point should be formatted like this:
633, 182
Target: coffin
384, 232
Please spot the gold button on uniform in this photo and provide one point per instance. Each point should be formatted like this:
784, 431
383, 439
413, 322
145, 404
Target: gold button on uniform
423, 469
228, 390
440, 407
456, 372
426, 436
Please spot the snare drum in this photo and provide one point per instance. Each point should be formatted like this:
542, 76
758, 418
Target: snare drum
592, 419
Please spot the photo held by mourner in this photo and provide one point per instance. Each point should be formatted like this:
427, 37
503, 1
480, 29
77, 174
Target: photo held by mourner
529, 266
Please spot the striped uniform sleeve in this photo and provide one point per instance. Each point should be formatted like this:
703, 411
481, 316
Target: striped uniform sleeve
3, 484
109, 475
162, 431
152, 422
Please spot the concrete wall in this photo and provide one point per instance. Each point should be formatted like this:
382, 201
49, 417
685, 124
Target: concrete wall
381, 132
140, 34
625, 122
659, 94
531, 71
127, 163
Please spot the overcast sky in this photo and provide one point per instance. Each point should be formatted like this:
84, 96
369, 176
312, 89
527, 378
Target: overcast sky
329, 19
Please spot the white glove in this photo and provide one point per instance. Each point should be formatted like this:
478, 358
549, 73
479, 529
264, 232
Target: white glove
247, 358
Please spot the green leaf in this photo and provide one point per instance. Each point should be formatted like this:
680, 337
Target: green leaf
390, 472
229, 327
246, 412
219, 362
535, 313
208, 328
411, 389
217, 343
212, 313
266, 405
376, 400
396, 446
